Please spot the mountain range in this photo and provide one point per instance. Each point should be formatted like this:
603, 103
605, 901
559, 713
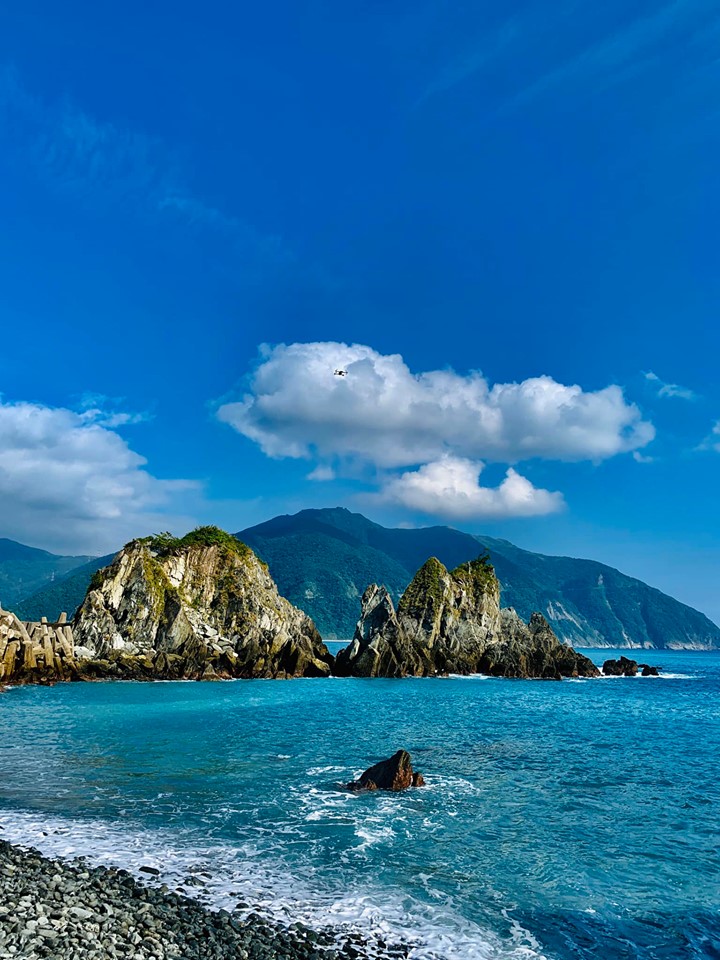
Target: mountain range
23, 570
322, 560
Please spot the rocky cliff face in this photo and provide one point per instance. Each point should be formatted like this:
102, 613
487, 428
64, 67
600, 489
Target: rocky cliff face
451, 622
200, 607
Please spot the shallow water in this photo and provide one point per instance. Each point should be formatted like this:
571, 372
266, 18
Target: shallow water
561, 820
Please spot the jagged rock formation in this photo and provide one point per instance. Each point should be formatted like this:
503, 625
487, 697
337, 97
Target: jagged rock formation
452, 623
202, 607
395, 773
35, 652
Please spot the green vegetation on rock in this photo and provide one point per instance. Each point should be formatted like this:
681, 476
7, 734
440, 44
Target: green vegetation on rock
157, 582
165, 543
479, 574
426, 589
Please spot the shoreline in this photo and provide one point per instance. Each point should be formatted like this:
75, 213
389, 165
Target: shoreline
55, 908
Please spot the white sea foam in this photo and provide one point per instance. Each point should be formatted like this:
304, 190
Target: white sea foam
236, 877
467, 676
638, 676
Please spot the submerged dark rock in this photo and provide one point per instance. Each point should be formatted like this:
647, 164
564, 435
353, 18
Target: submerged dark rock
451, 622
395, 773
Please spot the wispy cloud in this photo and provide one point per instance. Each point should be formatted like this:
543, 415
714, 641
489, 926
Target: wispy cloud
108, 411
617, 53
670, 390
492, 46
100, 165
712, 441
609, 57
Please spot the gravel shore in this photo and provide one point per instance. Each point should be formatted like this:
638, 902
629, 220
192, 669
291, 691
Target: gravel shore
72, 911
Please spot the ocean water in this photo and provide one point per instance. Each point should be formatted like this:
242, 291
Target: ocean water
560, 820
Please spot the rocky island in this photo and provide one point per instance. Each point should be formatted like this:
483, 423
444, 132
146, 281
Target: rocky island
199, 607
204, 607
451, 622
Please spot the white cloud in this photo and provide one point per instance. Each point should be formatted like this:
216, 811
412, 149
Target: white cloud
670, 389
322, 473
450, 488
384, 414
712, 442
70, 483
642, 458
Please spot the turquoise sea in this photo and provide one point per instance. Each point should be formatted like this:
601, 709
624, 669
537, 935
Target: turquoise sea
560, 820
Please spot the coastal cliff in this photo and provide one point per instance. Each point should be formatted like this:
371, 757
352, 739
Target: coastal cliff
202, 606
451, 622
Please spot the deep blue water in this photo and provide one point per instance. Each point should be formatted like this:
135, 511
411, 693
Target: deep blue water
561, 820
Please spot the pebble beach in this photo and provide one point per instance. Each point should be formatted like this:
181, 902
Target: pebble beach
73, 911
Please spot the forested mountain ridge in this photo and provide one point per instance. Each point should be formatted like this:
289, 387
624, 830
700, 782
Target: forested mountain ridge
322, 560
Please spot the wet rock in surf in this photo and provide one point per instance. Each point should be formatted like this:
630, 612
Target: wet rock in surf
395, 774
625, 667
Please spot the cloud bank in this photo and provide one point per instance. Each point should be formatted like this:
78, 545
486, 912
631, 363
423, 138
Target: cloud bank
383, 414
69, 482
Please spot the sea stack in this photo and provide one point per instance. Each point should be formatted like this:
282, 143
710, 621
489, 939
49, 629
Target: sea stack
199, 607
451, 622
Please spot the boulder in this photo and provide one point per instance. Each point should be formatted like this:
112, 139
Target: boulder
395, 773
648, 670
624, 667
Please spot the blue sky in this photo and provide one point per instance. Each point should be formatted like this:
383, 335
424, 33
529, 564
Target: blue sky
505, 215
